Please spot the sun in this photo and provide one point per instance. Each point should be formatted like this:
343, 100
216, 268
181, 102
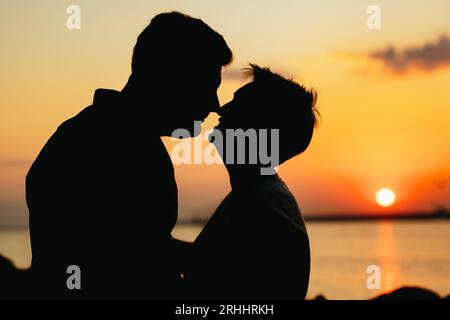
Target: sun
385, 197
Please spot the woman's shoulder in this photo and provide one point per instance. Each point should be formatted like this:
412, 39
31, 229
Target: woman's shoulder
275, 200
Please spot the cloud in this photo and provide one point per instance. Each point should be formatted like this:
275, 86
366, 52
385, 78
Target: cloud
233, 74
427, 57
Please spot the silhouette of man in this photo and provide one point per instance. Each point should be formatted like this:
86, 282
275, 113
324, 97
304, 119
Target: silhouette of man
102, 194
255, 246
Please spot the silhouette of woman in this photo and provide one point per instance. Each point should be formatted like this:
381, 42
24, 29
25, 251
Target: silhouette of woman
256, 245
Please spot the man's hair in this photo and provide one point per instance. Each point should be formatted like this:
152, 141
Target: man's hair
174, 40
285, 105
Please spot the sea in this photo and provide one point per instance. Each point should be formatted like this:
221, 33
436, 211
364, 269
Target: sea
349, 260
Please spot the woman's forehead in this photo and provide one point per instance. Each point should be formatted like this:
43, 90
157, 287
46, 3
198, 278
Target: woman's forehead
245, 88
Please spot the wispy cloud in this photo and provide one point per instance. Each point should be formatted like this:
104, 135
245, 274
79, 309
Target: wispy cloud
233, 74
427, 57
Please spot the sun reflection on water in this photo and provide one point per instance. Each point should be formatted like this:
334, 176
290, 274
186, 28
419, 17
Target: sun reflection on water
388, 257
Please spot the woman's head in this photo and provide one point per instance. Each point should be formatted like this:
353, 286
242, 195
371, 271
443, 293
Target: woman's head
273, 102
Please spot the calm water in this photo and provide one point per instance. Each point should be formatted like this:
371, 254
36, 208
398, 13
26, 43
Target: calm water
408, 253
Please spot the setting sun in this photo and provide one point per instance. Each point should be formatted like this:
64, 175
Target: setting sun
385, 197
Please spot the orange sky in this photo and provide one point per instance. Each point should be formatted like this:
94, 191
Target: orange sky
381, 126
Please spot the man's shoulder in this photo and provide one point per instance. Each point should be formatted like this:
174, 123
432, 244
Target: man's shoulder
82, 120
97, 113
92, 125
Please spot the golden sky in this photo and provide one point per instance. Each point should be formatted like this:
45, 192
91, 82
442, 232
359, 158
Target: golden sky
385, 118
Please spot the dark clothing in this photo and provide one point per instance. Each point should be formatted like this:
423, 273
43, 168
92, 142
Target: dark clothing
95, 194
254, 246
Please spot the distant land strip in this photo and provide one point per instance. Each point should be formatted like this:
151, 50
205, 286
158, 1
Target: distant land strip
436, 215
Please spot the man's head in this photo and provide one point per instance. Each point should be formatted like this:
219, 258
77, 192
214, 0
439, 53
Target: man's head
273, 102
178, 60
